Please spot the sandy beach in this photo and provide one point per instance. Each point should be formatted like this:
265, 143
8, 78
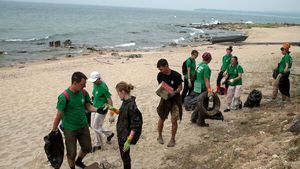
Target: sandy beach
247, 138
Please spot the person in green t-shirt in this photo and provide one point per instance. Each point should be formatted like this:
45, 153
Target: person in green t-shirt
234, 75
71, 110
282, 81
225, 63
190, 76
102, 97
202, 84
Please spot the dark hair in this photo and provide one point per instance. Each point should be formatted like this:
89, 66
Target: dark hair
229, 48
77, 77
236, 58
162, 62
195, 52
123, 86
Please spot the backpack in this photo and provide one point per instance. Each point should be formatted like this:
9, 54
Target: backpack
87, 113
184, 67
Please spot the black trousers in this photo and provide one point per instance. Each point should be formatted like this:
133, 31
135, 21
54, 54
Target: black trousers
219, 79
186, 90
125, 157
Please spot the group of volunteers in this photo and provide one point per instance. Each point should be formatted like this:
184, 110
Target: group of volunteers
71, 108
73, 103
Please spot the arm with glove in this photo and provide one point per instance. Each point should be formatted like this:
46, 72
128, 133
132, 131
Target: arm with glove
177, 91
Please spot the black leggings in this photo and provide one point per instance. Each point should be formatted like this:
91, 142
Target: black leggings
186, 90
125, 157
219, 79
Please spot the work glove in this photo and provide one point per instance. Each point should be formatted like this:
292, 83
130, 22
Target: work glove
126, 145
111, 119
190, 83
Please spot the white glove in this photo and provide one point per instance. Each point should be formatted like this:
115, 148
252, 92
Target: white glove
210, 96
111, 119
231, 80
190, 83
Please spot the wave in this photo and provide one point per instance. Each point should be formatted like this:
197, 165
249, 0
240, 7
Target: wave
125, 45
26, 40
196, 31
179, 39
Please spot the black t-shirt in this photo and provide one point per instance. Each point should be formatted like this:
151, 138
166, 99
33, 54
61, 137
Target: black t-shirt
173, 80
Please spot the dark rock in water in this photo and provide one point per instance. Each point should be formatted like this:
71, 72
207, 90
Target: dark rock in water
23, 51
134, 32
40, 43
57, 44
173, 44
182, 31
52, 58
295, 127
115, 54
69, 56
2, 52
51, 44
67, 43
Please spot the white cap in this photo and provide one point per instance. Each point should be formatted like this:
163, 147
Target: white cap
94, 76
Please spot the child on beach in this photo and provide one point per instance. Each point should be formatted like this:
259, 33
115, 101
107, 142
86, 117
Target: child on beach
129, 124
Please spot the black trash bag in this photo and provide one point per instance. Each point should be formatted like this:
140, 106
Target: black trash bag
54, 149
190, 101
217, 116
253, 99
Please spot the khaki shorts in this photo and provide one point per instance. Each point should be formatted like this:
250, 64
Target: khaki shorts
84, 139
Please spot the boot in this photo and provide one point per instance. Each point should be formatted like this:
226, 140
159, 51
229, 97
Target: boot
225, 91
218, 89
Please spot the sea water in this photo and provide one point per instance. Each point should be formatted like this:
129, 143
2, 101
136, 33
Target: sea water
27, 28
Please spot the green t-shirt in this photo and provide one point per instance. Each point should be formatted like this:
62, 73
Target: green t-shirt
191, 63
73, 117
203, 71
226, 62
233, 72
285, 59
101, 94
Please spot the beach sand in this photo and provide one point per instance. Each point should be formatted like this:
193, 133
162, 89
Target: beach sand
247, 138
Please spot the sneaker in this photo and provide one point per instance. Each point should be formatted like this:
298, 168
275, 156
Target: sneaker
203, 124
227, 110
80, 164
171, 143
160, 140
241, 105
95, 148
108, 140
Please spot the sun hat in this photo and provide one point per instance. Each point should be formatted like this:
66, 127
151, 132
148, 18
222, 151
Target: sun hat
94, 76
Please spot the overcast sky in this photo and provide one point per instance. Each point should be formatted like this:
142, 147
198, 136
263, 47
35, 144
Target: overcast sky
248, 5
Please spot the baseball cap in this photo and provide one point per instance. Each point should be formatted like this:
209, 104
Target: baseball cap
94, 76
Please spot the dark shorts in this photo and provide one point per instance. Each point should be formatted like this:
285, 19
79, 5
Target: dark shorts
166, 106
84, 139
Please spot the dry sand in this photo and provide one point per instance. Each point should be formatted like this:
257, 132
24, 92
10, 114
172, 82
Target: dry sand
248, 138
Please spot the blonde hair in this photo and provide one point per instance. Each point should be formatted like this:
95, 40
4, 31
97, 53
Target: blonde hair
123, 86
